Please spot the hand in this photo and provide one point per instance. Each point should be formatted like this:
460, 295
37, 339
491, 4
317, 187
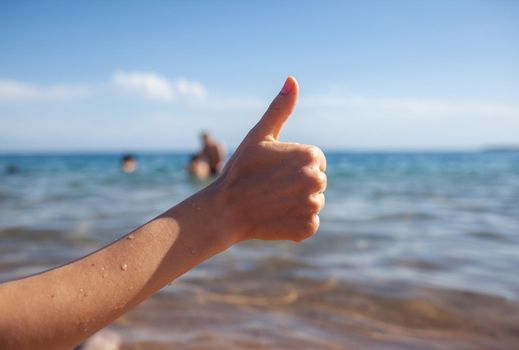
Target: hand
273, 190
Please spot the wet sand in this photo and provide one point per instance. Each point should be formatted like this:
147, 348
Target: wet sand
271, 310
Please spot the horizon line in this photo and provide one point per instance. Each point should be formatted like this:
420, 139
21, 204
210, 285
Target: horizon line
86, 151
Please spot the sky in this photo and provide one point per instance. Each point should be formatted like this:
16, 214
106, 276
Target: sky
150, 75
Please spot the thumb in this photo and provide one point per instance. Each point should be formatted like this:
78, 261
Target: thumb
279, 110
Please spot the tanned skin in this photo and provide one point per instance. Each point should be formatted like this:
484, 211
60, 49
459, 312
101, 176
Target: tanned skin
269, 190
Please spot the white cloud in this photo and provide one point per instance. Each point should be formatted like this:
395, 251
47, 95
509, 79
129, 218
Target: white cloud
190, 89
148, 85
14, 90
144, 84
155, 87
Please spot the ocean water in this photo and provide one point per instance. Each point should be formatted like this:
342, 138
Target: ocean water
415, 251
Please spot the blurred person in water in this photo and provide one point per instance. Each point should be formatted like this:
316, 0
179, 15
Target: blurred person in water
269, 190
12, 169
213, 153
198, 168
128, 163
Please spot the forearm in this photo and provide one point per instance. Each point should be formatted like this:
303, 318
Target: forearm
60, 307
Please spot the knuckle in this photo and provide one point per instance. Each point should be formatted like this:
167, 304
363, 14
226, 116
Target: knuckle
317, 154
313, 153
315, 203
315, 179
309, 228
315, 221
312, 205
301, 236
321, 200
321, 181
310, 154
307, 173
323, 164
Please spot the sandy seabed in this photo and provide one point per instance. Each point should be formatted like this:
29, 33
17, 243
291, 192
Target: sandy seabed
310, 314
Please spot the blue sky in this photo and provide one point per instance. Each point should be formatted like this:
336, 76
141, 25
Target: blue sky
149, 75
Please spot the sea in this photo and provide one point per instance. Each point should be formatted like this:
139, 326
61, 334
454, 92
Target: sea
416, 250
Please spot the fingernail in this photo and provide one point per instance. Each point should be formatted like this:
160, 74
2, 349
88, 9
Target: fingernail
287, 88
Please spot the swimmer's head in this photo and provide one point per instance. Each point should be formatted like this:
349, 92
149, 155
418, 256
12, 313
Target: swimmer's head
11, 169
204, 135
128, 163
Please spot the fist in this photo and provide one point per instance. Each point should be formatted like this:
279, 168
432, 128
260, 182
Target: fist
273, 190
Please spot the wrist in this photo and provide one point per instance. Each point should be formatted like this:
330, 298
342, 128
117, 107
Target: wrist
206, 214
219, 211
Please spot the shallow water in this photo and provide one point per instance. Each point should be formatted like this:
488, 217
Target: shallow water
415, 251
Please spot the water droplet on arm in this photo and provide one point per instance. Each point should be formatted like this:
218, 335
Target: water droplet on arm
130, 237
124, 267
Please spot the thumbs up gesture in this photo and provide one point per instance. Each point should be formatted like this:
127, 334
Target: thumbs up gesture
273, 190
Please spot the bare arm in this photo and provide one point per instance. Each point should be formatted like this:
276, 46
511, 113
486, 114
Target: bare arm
63, 306
268, 190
